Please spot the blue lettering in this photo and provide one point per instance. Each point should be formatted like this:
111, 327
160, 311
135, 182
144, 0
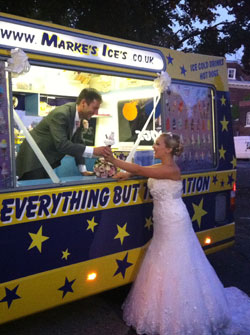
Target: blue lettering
136, 188
31, 206
126, 193
56, 198
49, 40
190, 182
75, 200
203, 75
20, 206
67, 196
85, 49
45, 203
104, 50
184, 183
77, 47
117, 195
104, 197
94, 51
206, 183
84, 200
194, 184
93, 198
6, 33
124, 55
70, 46
61, 45
199, 184
7, 211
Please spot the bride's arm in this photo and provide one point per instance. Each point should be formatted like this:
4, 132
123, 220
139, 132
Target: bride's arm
123, 175
155, 171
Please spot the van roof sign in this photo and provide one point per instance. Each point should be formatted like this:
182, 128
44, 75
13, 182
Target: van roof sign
51, 41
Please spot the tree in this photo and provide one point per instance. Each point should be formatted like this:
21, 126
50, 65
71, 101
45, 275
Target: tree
168, 23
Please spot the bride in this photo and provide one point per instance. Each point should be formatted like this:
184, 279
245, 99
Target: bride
177, 292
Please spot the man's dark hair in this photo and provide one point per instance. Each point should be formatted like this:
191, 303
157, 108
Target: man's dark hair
89, 94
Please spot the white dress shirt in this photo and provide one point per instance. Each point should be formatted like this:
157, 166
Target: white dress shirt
88, 152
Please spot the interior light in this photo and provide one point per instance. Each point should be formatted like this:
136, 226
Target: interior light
208, 240
92, 276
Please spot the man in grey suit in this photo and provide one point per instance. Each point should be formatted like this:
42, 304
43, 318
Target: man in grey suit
60, 134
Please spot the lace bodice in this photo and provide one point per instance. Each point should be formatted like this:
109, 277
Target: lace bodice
162, 189
167, 195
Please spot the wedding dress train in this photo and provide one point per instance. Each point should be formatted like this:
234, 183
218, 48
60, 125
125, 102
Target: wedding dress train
177, 291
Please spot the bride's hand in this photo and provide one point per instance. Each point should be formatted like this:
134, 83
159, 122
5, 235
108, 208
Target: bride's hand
109, 158
122, 175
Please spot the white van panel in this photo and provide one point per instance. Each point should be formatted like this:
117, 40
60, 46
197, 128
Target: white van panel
242, 147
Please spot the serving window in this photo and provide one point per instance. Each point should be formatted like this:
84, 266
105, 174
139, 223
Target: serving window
185, 109
6, 154
36, 93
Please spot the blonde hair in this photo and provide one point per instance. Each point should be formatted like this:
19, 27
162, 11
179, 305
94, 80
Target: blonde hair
173, 141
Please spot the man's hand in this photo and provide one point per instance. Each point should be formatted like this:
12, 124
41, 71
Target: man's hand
102, 151
110, 158
87, 173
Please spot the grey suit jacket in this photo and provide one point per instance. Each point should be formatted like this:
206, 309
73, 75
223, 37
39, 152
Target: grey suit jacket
54, 137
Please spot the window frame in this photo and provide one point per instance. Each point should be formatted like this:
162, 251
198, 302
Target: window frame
233, 71
213, 125
247, 119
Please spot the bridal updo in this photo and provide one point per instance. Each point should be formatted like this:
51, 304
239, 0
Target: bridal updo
173, 141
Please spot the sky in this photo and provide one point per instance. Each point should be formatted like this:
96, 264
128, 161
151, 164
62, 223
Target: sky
223, 15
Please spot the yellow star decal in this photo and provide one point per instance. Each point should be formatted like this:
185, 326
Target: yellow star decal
222, 152
65, 254
149, 223
224, 123
92, 224
37, 239
223, 100
122, 233
234, 162
199, 212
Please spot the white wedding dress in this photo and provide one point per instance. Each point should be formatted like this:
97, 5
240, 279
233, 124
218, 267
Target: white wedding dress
177, 292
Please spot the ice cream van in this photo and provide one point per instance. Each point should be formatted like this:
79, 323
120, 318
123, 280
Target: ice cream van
72, 236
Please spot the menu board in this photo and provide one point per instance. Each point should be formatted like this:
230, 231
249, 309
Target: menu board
5, 156
188, 112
